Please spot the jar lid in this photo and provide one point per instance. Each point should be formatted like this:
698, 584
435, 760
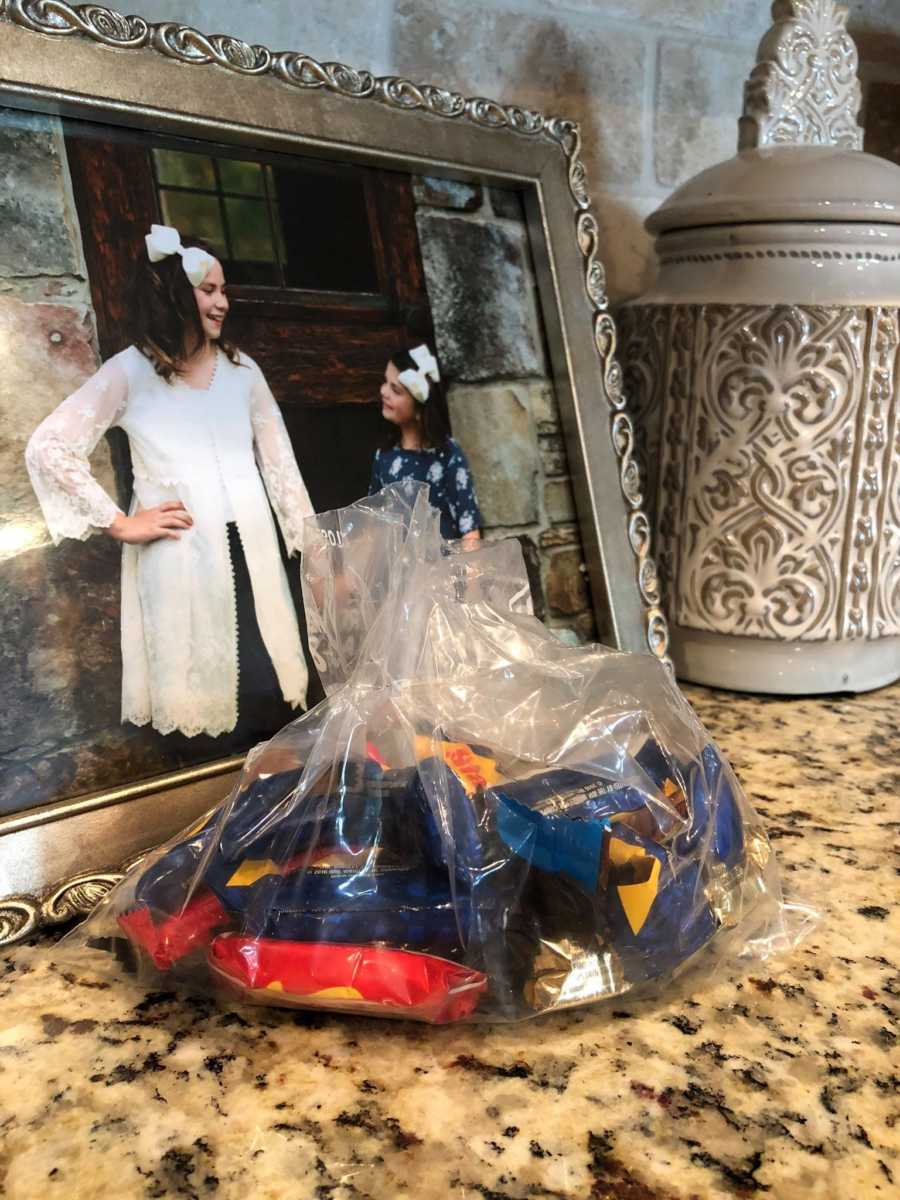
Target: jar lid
785, 183
800, 155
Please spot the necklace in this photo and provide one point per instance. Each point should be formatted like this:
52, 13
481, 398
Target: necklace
215, 367
205, 387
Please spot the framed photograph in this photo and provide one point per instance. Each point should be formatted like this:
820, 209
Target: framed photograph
350, 221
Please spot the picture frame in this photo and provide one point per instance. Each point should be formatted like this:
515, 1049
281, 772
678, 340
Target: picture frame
89, 63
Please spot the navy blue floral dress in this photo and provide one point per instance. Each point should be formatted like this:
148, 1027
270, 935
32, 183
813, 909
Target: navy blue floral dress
450, 478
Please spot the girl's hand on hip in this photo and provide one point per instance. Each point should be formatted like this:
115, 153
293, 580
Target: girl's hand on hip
150, 524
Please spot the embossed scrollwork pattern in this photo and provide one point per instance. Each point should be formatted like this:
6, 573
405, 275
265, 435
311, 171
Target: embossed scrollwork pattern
21, 916
567, 135
778, 490
189, 46
95, 21
301, 71
675, 381
876, 527
644, 343
178, 41
588, 235
804, 89
631, 478
772, 394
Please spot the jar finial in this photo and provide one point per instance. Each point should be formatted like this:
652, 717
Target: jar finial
804, 89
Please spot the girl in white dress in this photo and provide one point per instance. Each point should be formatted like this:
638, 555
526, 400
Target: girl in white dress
210, 455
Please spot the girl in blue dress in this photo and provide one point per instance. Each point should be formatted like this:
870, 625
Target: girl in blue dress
420, 446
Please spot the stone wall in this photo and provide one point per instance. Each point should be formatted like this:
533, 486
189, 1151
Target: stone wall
46, 319
655, 84
876, 27
59, 657
490, 342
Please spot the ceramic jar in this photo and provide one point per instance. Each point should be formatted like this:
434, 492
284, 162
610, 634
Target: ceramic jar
763, 369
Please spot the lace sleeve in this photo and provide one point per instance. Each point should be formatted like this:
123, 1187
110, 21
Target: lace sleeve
58, 452
278, 467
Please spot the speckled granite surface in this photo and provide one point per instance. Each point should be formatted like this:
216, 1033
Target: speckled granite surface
784, 1080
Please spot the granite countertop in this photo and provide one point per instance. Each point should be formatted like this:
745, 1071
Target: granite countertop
783, 1080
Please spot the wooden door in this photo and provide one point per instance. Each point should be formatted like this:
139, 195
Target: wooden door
321, 307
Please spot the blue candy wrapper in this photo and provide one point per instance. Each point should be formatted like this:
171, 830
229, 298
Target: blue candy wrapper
477, 823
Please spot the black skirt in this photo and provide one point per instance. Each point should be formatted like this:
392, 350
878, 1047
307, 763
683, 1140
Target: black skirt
262, 710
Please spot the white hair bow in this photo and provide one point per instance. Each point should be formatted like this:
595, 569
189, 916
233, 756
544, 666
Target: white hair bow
416, 381
163, 240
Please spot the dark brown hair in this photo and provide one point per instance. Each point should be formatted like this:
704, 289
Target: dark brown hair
167, 326
434, 413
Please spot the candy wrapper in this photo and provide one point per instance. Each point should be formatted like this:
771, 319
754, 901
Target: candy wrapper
478, 822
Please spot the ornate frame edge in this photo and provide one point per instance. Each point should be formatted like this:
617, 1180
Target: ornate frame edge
23, 915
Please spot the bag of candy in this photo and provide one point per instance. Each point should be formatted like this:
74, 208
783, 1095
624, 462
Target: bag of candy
478, 822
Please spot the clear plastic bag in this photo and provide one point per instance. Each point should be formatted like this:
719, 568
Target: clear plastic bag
479, 822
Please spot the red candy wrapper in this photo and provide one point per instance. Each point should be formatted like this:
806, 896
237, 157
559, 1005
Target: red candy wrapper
372, 979
175, 936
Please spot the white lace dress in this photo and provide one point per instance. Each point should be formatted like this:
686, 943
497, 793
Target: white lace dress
219, 451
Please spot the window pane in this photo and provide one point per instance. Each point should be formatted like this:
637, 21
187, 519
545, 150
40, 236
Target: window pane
181, 169
194, 215
279, 233
303, 226
325, 227
253, 274
245, 178
250, 230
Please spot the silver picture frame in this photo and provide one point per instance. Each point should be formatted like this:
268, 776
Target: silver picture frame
89, 62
